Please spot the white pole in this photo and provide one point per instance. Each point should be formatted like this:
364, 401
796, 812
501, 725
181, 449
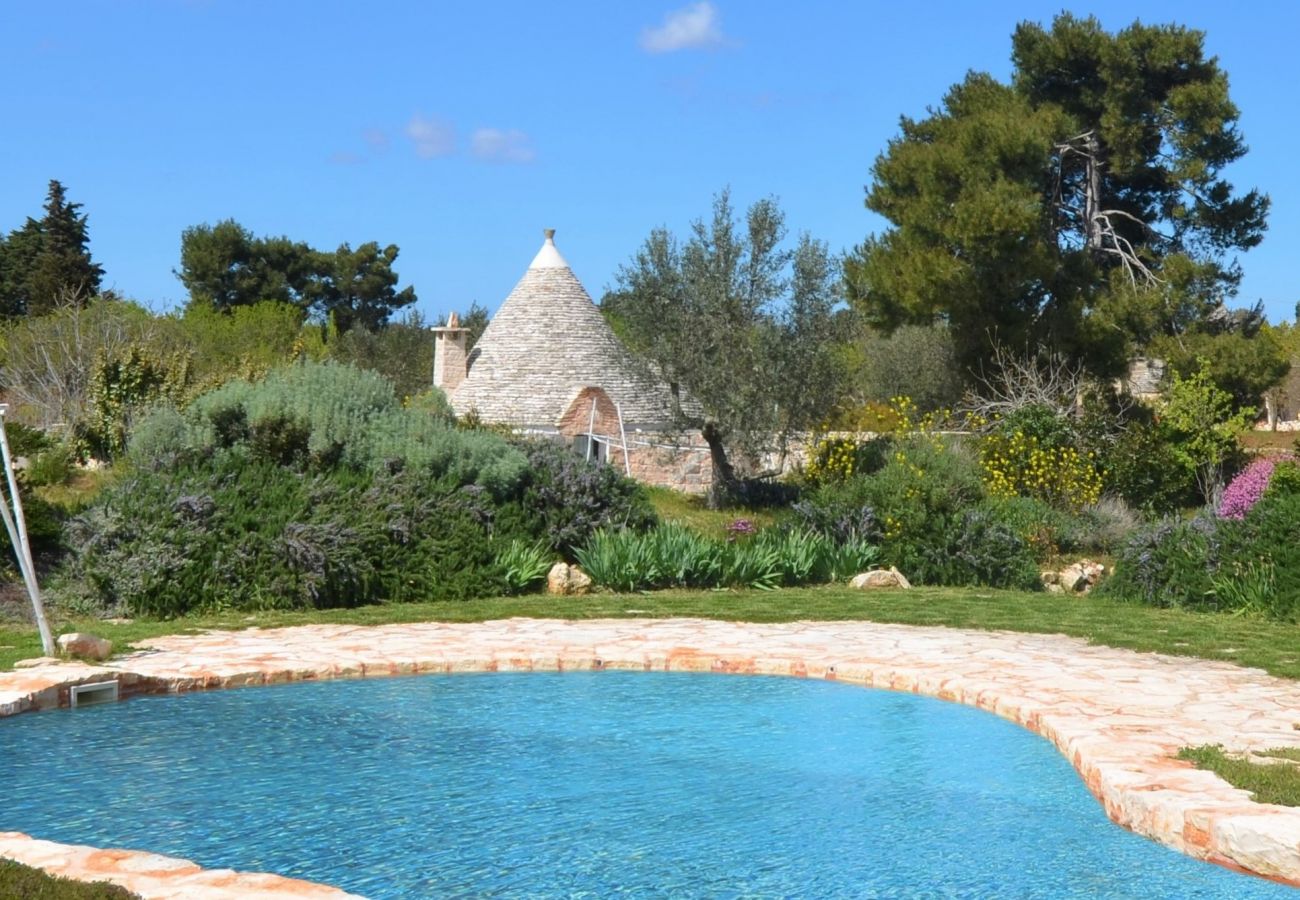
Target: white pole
591, 423
18, 537
622, 432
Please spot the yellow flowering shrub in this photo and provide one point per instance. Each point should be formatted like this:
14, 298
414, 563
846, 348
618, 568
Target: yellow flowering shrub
839, 457
1018, 465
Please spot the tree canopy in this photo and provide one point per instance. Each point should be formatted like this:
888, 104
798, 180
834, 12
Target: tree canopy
1080, 209
225, 266
738, 323
47, 261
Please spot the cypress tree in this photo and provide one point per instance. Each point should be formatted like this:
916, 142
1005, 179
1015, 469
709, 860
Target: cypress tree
63, 268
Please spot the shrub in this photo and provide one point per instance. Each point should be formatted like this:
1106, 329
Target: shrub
569, 498
1020, 464
53, 465
840, 458
1143, 469
19, 881
1170, 563
1248, 565
1246, 489
346, 417
237, 532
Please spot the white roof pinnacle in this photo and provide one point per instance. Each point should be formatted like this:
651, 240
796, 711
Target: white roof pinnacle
548, 257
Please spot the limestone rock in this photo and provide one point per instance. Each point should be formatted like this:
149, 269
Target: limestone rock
85, 646
1076, 578
880, 578
567, 580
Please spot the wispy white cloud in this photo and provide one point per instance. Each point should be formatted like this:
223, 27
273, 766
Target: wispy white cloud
431, 136
501, 146
376, 139
693, 27
347, 158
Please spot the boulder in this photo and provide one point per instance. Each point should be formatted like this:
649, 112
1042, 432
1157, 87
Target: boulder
1079, 577
880, 578
85, 646
567, 580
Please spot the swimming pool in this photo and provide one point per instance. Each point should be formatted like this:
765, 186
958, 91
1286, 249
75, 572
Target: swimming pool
588, 784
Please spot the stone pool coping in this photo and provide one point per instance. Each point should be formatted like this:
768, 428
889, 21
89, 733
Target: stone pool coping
1117, 715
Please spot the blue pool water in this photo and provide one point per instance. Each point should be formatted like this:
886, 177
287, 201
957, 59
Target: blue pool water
588, 785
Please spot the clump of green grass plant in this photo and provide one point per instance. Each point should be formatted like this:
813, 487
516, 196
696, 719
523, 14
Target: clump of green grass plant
1268, 782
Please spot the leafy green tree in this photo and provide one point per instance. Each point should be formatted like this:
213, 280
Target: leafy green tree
915, 361
1204, 427
225, 266
741, 328
1245, 366
1080, 209
47, 262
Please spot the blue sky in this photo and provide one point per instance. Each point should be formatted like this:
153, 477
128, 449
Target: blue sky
459, 130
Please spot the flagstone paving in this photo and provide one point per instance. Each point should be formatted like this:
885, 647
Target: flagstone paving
1118, 716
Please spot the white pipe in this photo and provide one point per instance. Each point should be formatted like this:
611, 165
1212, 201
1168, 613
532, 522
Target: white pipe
18, 537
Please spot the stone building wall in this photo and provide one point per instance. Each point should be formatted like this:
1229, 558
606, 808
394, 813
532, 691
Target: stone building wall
683, 464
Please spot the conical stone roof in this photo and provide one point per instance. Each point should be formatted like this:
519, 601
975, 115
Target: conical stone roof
548, 342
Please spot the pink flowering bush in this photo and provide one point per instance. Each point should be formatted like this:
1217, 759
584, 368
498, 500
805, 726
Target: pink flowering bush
1244, 491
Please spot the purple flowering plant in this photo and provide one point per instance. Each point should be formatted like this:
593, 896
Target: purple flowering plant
1244, 491
740, 528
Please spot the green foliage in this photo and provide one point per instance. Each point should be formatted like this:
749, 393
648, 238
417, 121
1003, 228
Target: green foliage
349, 417
743, 327
1081, 212
1276, 783
926, 508
1249, 566
314, 488
1017, 464
675, 556
25, 440
46, 263
1203, 427
1167, 564
568, 498
51, 466
840, 458
523, 566
224, 266
1143, 467
49, 360
17, 880
240, 532
243, 341
401, 351
120, 388
915, 361
1245, 366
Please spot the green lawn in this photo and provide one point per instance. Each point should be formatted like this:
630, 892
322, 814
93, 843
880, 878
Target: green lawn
1253, 642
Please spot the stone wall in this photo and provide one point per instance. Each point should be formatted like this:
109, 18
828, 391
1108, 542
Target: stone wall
681, 462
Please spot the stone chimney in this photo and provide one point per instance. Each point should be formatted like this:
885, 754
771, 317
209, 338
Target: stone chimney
449, 355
